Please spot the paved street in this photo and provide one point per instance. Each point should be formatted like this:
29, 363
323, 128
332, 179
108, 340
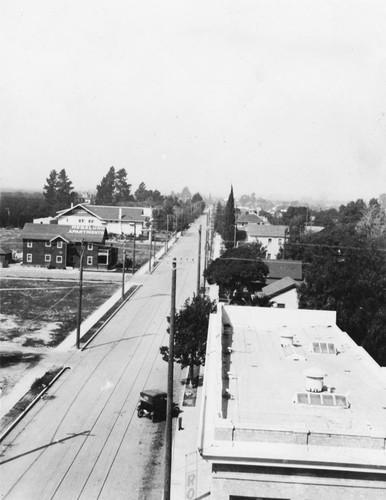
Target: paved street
84, 439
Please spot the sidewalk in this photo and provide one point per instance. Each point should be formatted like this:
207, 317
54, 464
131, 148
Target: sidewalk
190, 473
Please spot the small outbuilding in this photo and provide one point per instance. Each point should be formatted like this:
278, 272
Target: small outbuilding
5, 256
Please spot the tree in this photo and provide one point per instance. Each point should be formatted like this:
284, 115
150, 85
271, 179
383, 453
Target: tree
219, 218
185, 195
239, 270
229, 221
58, 191
141, 193
50, 189
190, 332
346, 272
65, 194
121, 193
105, 190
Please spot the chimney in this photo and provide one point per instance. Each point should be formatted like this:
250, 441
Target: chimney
314, 379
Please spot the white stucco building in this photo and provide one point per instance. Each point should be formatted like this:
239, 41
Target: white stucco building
272, 237
117, 220
292, 408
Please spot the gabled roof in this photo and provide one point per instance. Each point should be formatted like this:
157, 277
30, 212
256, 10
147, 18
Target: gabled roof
279, 287
266, 230
72, 234
107, 213
281, 268
250, 219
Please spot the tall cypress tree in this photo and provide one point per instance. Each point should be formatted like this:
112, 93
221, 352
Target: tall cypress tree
229, 221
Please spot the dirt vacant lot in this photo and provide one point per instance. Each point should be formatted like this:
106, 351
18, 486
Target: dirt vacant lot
36, 315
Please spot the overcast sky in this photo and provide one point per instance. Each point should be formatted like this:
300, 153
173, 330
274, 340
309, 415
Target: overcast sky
281, 98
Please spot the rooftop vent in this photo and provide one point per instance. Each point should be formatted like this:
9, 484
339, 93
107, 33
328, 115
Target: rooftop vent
286, 338
322, 399
324, 348
314, 379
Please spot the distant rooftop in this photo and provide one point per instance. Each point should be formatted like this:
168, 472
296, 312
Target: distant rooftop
266, 230
75, 233
259, 358
109, 213
279, 269
279, 286
249, 218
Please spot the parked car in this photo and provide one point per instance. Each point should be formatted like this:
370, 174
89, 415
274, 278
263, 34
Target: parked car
152, 404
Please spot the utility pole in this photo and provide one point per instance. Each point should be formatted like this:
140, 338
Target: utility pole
123, 271
135, 234
167, 233
199, 261
169, 405
79, 322
150, 248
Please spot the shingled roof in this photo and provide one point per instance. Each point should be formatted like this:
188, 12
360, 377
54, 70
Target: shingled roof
72, 234
279, 287
108, 213
266, 230
279, 269
250, 219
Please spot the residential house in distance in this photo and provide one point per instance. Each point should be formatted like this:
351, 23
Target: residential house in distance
270, 236
279, 269
61, 246
291, 408
283, 293
117, 220
243, 220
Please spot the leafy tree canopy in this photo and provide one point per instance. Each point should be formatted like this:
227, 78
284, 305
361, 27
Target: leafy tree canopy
346, 271
239, 269
190, 332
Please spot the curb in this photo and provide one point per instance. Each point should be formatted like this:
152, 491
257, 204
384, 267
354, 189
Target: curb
32, 404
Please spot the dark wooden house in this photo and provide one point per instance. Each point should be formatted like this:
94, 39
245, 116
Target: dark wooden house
60, 246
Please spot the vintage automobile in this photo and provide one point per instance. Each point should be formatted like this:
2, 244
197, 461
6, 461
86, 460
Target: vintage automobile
152, 404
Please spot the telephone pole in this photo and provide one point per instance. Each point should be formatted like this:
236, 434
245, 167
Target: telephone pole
169, 405
199, 261
123, 271
135, 234
79, 322
150, 248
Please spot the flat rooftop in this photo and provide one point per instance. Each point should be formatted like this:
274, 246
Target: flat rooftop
256, 368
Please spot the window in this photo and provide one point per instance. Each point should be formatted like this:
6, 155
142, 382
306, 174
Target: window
71, 259
47, 257
268, 256
89, 246
29, 244
59, 259
269, 240
81, 221
29, 257
280, 241
47, 243
91, 221
89, 261
59, 244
